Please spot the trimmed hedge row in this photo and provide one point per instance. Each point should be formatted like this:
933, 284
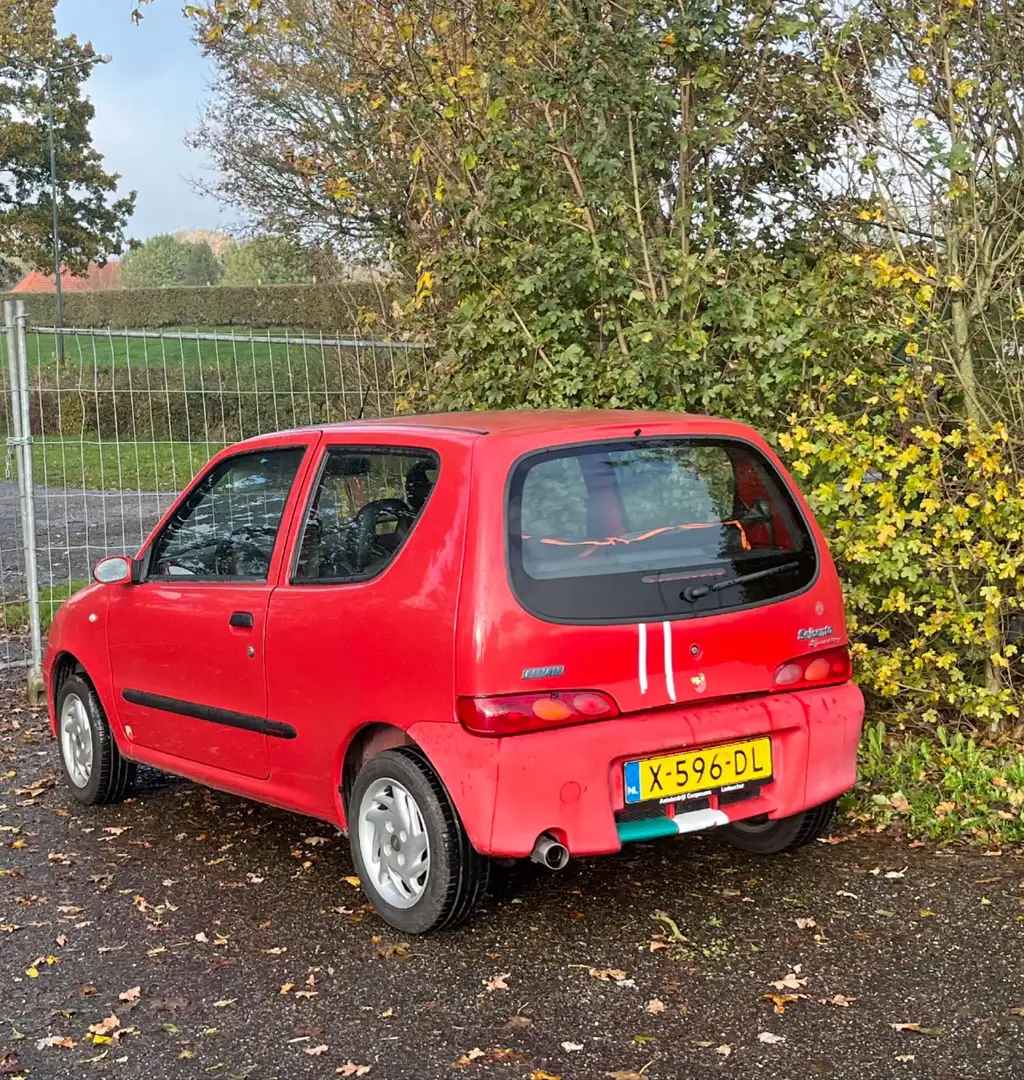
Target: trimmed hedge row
205, 403
325, 309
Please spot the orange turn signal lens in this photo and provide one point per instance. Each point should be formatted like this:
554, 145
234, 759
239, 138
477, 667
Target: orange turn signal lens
551, 709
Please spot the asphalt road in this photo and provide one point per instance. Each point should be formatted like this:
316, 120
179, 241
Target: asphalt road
226, 941
74, 528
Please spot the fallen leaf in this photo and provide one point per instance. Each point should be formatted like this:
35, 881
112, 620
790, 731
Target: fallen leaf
518, 1021
780, 1001
201, 938
277, 950
61, 939
54, 1040
789, 982
104, 1027
894, 875
224, 1003
540, 1074
353, 881
350, 1068
934, 1032
497, 982
839, 1000
306, 993
469, 1057
725, 1050
770, 1038
32, 972
387, 1014
655, 1006
927, 913
285, 987
805, 924
904, 1057
571, 1047
609, 974
131, 996
316, 1051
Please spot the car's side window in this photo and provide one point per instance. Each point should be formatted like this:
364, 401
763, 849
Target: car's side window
364, 506
227, 526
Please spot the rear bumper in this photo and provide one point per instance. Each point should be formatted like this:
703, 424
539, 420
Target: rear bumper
569, 781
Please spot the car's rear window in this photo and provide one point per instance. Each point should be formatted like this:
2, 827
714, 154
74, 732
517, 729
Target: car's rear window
623, 531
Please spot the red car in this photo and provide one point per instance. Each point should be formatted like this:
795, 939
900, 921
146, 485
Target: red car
461, 637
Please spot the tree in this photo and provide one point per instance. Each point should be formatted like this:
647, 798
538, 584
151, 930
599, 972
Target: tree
166, 261
92, 218
265, 261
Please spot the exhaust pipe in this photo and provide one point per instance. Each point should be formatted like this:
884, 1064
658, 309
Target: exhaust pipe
549, 852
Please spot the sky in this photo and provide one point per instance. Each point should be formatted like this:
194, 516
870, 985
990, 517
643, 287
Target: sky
146, 99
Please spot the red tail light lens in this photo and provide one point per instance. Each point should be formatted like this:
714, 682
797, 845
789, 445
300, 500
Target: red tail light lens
533, 712
818, 669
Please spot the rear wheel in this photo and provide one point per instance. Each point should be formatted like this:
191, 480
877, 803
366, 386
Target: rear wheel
772, 837
413, 857
90, 760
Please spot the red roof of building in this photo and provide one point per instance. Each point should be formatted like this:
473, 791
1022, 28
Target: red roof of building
98, 277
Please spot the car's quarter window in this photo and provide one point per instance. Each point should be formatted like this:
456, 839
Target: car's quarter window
364, 504
653, 528
228, 524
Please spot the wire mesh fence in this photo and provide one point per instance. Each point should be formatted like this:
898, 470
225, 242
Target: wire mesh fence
119, 426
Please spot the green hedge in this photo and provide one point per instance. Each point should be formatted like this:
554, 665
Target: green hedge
323, 309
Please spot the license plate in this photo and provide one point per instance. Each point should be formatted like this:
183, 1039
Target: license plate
698, 770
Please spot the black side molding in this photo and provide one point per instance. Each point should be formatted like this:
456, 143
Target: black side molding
259, 724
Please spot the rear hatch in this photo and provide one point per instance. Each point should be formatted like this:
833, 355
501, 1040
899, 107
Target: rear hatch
657, 570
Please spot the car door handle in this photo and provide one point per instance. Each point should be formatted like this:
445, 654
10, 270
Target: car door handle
242, 619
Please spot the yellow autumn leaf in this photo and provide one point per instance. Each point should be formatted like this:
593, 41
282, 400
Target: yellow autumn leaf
353, 881
32, 972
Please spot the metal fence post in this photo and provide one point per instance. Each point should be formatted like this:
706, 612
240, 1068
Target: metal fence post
18, 361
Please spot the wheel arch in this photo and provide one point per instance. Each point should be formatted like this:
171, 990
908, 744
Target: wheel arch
366, 742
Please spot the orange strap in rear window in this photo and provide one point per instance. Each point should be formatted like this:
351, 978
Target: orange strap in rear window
611, 541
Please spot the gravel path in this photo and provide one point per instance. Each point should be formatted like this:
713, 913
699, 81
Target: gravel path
254, 957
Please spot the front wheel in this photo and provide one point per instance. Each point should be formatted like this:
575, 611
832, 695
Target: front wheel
772, 837
412, 854
93, 766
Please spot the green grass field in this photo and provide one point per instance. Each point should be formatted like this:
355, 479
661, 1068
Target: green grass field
173, 349
109, 466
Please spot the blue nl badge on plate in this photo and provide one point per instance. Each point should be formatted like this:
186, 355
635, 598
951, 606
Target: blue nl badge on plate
631, 778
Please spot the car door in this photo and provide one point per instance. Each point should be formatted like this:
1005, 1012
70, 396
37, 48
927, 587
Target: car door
361, 628
186, 642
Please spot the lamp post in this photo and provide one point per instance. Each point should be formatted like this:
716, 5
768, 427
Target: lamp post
48, 72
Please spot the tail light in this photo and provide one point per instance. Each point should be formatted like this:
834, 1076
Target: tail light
533, 712
817, 669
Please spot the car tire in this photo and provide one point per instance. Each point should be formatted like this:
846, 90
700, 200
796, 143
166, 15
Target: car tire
773, 837
94, 768
397, 799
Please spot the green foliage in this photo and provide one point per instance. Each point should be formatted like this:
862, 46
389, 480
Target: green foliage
265, 261
947, 786
167, 261
15, 616
925, 517
92, 217
326, 309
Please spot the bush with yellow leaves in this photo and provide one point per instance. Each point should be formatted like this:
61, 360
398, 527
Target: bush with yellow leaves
925, 517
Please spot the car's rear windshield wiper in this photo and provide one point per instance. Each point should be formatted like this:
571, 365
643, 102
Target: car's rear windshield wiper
696, 592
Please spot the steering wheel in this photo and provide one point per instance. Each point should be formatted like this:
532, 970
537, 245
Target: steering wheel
241, 544
369, 517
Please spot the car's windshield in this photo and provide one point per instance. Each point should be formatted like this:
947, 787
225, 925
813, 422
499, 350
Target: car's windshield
632, 530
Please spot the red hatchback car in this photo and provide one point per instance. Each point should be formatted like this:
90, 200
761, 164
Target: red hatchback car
469, 636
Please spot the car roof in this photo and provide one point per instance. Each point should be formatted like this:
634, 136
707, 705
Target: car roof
558, 422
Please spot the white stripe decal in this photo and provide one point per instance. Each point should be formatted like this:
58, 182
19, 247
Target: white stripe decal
642, 627
670, 679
